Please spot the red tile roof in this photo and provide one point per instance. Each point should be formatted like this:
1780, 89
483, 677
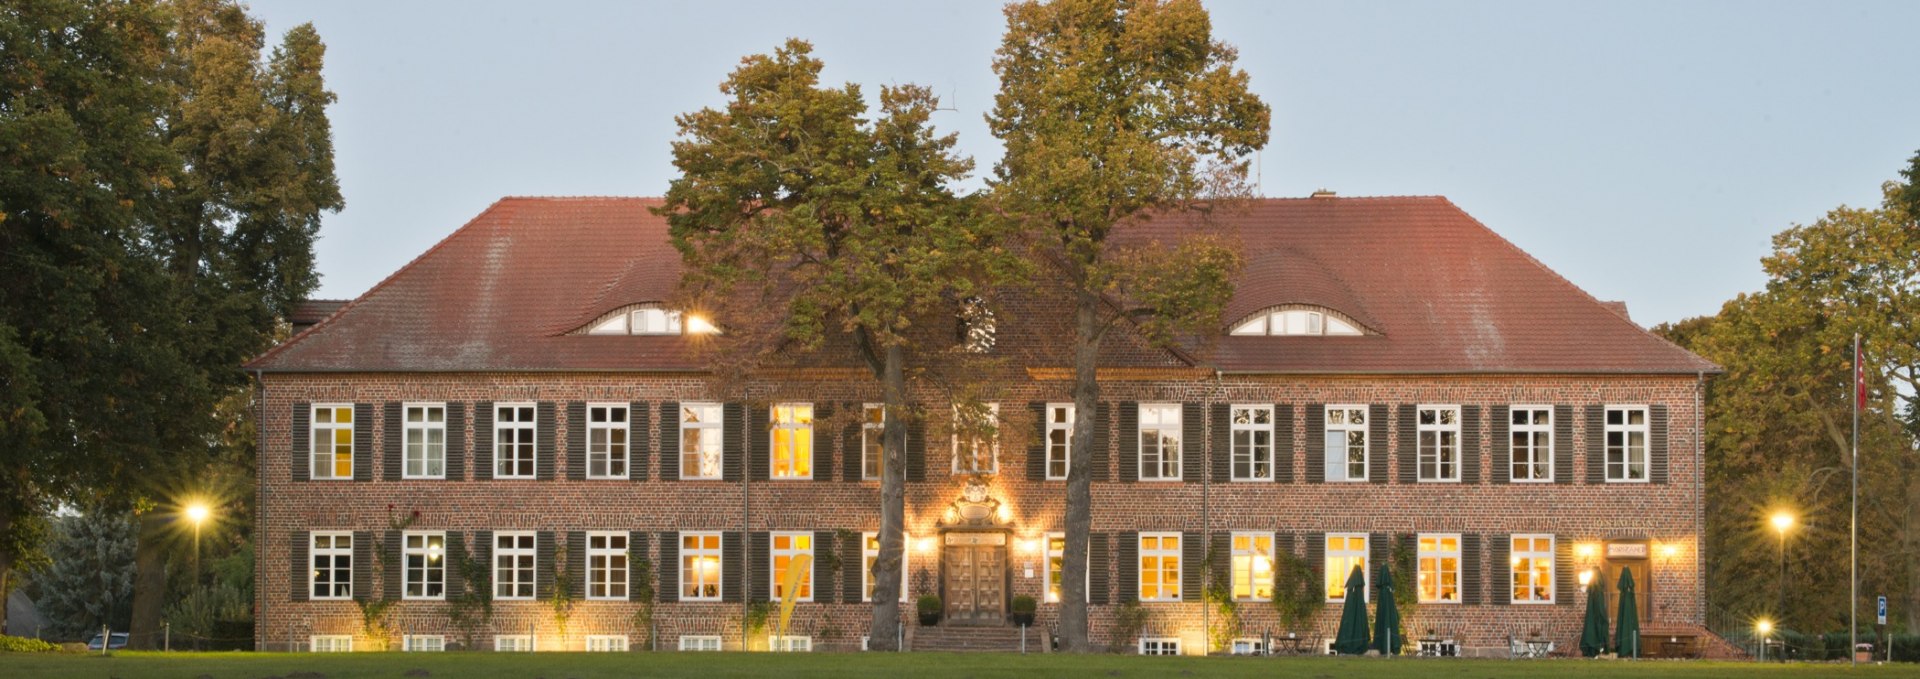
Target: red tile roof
1445, 294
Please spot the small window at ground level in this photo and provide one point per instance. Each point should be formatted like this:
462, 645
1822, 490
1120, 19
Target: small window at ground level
513, 643
606, 643
791, 644
430, 643
1159, 646
331, 643
700, 642
1249, 647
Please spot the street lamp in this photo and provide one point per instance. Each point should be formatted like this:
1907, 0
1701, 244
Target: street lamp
1765, 628
197, 512
1781, 522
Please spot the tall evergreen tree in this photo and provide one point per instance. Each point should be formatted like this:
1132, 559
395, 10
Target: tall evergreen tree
1111, 111
89, 580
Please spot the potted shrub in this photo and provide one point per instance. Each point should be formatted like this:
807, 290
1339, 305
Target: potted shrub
929, 606
1022, 610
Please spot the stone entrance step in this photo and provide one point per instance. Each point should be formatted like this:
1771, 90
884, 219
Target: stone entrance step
967, 638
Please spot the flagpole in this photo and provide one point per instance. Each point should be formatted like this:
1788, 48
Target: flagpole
1853, 547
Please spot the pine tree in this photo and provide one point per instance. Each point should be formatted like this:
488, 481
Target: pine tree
90, 580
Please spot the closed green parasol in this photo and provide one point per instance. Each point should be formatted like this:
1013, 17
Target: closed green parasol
1352, 637
1387, 638
1628, 633
1593, 637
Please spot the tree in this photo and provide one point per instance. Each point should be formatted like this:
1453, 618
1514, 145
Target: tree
90, 581
805, 226
1113, 111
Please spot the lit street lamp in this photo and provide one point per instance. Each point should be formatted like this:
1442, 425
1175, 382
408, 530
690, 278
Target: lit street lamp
1781, 522
1765, 628
197, 512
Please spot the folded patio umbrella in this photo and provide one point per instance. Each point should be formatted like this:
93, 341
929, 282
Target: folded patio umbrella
1352, 636
1387, 637
1627, 634
1593, 637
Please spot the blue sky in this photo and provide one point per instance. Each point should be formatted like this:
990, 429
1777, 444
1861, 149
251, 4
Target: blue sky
1645, 150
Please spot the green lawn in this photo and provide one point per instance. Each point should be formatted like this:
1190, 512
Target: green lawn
126, 665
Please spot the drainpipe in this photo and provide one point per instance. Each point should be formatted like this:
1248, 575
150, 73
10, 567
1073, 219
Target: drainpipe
746, 530
1699, 486
1206, 516
260, 486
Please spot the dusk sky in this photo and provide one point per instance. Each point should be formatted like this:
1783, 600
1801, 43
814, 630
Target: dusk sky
1645, 150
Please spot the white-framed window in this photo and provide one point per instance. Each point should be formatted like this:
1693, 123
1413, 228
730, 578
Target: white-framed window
1346, 551
425, 565
700, 566
607, 440
514, 553
513, 643
1439, 566
607, 566
426, 441
786, 549
792, 441
790, 644
332, 555
1346, 443
1159, 442
1626, 431
873, 430
1056, 564
1059, 439
1531, 566
1530, 443
1294, 322
1159, 646
1160, 566
513, 441
606, 643
331, 643
701, 429
1252, 570
651, 319
700, 642
655, 322
1249, 646
869, 554
332, 437
976, 446
1438, 430
1252, 441
423, 643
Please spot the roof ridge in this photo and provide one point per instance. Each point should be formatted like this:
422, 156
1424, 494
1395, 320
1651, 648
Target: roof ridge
655, 199
337, 313
1528, 256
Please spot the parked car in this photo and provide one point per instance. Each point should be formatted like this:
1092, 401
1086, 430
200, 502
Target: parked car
119, 642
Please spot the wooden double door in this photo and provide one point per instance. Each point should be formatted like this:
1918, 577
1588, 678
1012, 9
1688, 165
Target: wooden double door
975, 576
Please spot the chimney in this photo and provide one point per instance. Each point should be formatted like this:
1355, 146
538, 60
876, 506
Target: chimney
1322, 193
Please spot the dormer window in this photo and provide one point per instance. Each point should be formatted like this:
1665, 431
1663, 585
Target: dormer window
1296, 322
651, 320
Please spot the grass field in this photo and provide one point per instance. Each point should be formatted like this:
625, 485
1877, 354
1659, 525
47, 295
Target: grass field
127, 665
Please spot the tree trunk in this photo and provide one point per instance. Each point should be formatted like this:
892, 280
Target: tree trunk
149, 581
1086, 399
6, 568
882, 635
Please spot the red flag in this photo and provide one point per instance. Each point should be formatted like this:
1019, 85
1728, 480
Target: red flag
1859, 376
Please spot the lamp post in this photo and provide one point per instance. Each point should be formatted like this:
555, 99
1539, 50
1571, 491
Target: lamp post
1781, 522
197, 512
1765, 628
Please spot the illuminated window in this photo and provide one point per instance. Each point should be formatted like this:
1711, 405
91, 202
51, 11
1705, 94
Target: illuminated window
333, 441
1530, 437
869, 555
1159, 646
1253, 566
513, 643
1345, 552
793, 441
976, 444
513, 432
607, 566
701, 642
1252, 428
606, 643
426, 441
1439, 556
331, 643
1626, 432
1294, 322
1346, 443
332, 576
699, 566
1159, 566
1439, 432
425, 566
513, 564
873, 429
787, 549
606, 440
1059, 439
1056, 563
1160, 442
423, 643
1532, 569
700, 434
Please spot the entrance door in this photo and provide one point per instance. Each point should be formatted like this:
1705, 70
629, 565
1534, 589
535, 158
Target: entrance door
976, 575
1629, 556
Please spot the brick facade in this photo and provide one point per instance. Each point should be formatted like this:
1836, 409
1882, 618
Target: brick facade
1666, 512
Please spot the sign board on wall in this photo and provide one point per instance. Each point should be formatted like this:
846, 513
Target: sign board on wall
1627, 550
